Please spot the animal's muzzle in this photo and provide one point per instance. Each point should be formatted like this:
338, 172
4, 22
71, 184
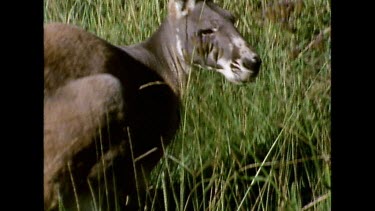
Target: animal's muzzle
252, 64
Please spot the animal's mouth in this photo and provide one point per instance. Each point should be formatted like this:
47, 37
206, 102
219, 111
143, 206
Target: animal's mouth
233, 71
242, 74
242, 77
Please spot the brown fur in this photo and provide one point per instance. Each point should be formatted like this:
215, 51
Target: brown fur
92, 92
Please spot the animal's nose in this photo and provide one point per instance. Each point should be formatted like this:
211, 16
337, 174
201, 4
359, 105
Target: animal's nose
253, 63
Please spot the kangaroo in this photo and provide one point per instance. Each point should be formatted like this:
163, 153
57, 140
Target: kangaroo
109, 111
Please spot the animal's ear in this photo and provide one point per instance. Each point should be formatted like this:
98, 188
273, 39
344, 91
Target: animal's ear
180, 8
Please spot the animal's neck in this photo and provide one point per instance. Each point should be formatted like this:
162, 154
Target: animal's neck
161, 54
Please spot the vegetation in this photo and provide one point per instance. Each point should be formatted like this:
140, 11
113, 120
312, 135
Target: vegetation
259, 146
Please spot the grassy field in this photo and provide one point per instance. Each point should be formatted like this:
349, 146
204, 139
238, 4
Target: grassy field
259, 146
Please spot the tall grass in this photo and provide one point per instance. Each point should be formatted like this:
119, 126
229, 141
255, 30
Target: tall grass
259, 146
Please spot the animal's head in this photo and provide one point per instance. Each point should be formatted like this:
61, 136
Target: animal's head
206, 35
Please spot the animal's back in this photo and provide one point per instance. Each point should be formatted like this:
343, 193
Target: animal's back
70, 53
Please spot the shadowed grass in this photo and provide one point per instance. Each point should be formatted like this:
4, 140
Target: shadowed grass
259, 146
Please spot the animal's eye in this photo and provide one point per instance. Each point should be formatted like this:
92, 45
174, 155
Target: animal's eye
203, 32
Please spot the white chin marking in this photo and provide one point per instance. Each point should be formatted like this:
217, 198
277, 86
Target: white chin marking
237, 76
